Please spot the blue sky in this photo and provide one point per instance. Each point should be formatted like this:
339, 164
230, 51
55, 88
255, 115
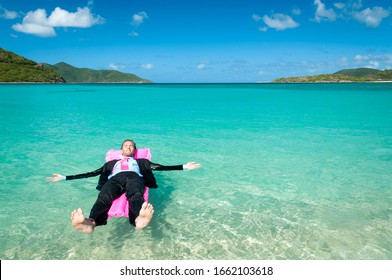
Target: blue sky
204, 40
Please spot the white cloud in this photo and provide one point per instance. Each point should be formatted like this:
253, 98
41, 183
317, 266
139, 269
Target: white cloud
361, 58
357, 5
4, 13
279, 21
372, 17
113, 66
339, 5
256, 17
322, 13
201, 66
147, 66
383, 61
133, 34
296, 11
343, 61
374, 64
37, 23
90, 3
139, 18
117, 67
263, 29
82, 18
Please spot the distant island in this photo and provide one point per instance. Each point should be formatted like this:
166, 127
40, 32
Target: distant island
17, 69
342, 76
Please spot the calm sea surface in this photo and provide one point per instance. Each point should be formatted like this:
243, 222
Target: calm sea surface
298, 171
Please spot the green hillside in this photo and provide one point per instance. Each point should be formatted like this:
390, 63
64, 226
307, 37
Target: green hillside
17, 69
84, 75
357, 72
346, 75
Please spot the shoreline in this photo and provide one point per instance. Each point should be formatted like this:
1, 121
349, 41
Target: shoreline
201, 83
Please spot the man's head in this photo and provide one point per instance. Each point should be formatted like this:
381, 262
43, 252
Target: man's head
128, 148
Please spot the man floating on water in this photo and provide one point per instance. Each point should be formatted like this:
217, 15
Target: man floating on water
126, 175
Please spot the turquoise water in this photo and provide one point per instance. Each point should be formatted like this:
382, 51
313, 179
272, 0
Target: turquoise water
299, 171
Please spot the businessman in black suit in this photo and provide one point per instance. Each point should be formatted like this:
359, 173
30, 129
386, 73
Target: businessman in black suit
127, 175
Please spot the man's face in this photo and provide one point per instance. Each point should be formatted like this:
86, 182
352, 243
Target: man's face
128, 149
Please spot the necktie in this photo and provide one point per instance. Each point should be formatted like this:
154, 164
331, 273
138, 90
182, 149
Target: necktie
124, 164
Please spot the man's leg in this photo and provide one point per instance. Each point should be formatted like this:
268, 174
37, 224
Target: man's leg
140, 212
111, 190
99, 213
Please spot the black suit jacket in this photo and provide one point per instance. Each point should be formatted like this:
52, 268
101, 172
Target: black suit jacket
146, 167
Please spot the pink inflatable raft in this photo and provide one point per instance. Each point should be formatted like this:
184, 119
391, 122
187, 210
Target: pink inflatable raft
120, 206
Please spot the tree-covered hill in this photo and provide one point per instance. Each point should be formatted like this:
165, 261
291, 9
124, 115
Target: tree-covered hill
346, 75
17, 69
84, 75
357, 72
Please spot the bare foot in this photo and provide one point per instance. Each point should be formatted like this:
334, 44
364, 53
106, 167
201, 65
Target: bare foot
145, 216
80, 223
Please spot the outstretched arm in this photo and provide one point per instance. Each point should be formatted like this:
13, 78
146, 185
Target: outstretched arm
58, 177
188, 166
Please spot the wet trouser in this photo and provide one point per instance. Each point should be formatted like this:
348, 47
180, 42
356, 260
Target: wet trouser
127, 182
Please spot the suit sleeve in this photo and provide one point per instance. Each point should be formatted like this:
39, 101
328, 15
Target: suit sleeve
160, 167
85, 175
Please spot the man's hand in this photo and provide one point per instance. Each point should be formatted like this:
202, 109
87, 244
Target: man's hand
191, 165
55, 178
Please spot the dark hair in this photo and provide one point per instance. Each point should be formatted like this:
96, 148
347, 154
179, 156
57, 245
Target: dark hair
128, 140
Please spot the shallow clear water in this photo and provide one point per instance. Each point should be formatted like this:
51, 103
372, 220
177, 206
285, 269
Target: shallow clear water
298, 171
